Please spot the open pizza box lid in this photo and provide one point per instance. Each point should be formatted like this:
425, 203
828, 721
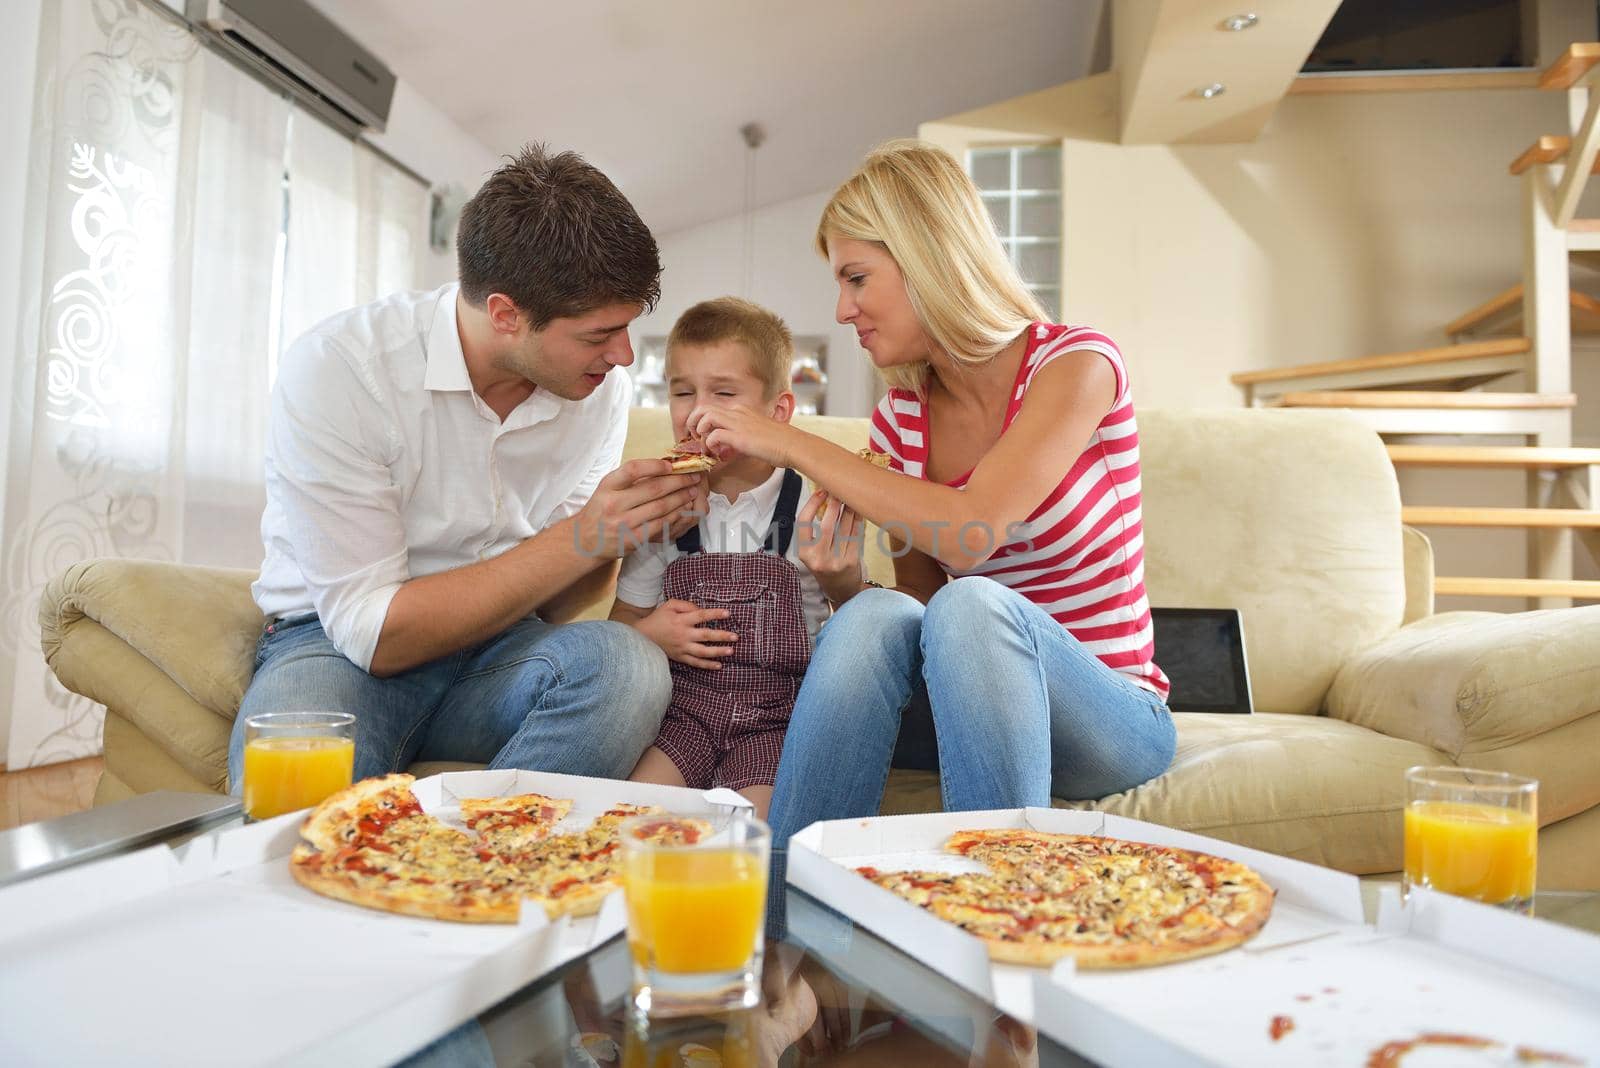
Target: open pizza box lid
1489, 987
169, 956
1441, 965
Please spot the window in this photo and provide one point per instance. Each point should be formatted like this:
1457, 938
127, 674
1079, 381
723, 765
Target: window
180, 223
1021, 187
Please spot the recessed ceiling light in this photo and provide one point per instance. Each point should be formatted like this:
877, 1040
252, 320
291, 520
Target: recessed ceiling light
1211, 92
1239, 22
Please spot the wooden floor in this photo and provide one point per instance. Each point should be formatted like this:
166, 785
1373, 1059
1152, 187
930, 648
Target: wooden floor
45, 793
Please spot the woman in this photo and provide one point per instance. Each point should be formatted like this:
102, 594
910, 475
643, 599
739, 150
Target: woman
1019, 619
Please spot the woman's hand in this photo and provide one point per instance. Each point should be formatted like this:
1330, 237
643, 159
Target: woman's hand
729, 431
831, 547
679, 627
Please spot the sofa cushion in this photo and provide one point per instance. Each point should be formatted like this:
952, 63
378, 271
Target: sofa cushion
1308, 787
1293, 518
423, 768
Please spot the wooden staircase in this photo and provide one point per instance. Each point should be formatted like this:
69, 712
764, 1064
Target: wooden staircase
1502, 314
1440, 391
1438, 412
1446, 367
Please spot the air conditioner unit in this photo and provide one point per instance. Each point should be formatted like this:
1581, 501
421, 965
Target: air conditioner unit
291, 43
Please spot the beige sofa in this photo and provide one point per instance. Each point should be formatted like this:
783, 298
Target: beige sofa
1292, 517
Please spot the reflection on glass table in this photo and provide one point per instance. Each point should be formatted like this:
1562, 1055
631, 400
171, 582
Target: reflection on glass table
832, 993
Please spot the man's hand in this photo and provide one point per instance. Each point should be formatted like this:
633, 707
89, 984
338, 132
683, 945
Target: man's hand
679, 627
831, 547
640, 502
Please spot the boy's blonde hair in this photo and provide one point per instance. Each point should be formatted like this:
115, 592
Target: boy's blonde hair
913, 199
765, 337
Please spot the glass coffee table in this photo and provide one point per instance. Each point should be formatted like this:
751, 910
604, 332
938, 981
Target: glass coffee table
834, 993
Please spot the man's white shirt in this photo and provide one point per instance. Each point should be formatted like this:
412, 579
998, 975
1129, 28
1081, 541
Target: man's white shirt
384, 465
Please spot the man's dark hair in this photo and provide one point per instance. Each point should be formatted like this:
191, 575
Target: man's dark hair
554, 235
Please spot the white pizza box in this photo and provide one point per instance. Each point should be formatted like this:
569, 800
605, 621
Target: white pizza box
823, 858
1317, 937
1527, 990
211, 953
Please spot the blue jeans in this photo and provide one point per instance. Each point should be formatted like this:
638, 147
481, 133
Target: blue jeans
1020, 710
581, 698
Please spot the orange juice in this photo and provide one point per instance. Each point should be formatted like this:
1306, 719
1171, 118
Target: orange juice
1485, 852
694, 911
669, 1050
285, 774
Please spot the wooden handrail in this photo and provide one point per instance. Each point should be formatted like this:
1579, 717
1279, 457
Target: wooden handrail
1550, 148
1423, 516
1510, 298
1547, 149
1574, 63
1485, 311
1444, 354
1401, 398
1523, 456
1499, 587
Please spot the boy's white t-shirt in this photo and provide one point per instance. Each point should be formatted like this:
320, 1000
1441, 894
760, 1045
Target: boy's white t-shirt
736, 526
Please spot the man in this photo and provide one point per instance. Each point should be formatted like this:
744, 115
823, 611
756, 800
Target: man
443, 492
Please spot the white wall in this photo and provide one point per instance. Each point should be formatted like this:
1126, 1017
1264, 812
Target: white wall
790, 278
430, 143
1355, 224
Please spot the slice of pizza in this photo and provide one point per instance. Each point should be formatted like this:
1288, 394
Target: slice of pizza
360, 811
372, 845
924, 887
613, 816
513, 823
689, 456
672, 830
570, 874
876, 459
366, 875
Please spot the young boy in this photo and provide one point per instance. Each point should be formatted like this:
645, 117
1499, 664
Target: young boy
731, 602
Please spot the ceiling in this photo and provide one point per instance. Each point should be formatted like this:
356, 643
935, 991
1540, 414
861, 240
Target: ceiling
654, 91
1166, 50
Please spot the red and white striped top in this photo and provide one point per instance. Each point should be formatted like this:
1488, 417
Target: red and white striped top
1080, 555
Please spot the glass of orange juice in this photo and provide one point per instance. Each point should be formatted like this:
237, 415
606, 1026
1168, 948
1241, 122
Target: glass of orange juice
293, 760
695, 915
1473, 833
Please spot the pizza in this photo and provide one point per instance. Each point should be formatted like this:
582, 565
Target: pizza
373, 845
514, 823
1106, 902
876, 459
689, 456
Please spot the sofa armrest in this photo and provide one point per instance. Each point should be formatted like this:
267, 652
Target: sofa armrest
1469, 682
198, 625
1419, 575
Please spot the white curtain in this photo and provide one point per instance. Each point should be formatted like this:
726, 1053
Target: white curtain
357, 226
184, 222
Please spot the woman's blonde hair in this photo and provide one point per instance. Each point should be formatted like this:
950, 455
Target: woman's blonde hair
913, 199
